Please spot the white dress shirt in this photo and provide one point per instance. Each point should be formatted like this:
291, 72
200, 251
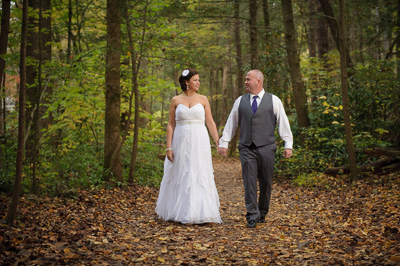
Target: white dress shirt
281, 120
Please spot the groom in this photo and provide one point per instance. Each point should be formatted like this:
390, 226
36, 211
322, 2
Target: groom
257, 113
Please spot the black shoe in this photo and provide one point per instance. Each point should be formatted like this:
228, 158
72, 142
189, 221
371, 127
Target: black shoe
262, 219
251, 224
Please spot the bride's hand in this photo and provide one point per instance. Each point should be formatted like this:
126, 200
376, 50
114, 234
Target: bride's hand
170, 155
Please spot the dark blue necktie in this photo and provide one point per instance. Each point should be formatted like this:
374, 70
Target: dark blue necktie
254, 104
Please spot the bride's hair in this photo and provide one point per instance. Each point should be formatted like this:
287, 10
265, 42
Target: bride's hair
187, 77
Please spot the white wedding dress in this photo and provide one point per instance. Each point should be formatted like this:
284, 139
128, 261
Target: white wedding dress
187, 192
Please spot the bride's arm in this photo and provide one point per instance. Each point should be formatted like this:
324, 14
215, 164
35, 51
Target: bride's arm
210, 121
170, 130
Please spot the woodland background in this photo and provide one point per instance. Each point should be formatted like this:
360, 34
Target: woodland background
86, 85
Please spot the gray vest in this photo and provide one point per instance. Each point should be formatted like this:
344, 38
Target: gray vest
260, 127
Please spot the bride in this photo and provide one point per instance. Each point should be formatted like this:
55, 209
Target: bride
187, 192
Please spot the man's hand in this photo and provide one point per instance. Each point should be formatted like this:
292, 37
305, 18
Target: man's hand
287, 153
223, 151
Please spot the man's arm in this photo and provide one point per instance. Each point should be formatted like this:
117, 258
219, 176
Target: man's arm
283, 126
230, 128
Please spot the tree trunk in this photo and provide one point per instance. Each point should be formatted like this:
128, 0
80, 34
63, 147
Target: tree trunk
322, 34
212, 90
5, 27
300, 98
333, 26
69, 41
224, 98
135, 62
39, 50
112, 139
311, 40
32, 93
21, 118
254, 62
398, 42
266, 19
45, 56
239, 67
345, 94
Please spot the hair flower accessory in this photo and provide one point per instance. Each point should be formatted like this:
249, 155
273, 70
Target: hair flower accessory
185, 72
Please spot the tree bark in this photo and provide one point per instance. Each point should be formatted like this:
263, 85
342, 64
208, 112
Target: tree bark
21, 119
5, 28
311, 40
112, 139
333, 26
239, 67
33, 92
300, 98
69, 41
398, 42
266, 19
135, 60
254, 61
224, 98
321, 33
45, 56
345, 94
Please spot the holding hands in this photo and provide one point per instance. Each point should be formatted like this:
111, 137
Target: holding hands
223, 151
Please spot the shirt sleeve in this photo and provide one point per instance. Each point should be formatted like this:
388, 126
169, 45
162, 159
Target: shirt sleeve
231, 125
283, 122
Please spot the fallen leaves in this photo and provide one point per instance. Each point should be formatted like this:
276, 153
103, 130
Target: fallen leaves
348, 224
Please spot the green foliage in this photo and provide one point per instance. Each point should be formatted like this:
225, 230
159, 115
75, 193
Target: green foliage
149, 165
61, 173
302, 161
375, 94
7, 173
375, 116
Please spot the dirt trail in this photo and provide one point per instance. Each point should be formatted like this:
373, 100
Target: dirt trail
342, 226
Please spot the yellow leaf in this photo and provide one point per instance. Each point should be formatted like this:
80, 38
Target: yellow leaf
395, 258
67, 250
162, 260
164, 250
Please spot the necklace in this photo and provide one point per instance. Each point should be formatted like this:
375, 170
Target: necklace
189, 96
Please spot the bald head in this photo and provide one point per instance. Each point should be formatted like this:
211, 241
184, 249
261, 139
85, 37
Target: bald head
254, 81
258, 74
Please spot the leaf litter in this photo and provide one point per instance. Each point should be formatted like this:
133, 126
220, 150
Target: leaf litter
346, 224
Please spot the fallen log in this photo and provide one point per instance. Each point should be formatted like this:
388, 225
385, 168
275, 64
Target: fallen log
373, 167
388, 163
379, 152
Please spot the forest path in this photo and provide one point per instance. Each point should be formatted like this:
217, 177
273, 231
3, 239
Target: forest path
347, 224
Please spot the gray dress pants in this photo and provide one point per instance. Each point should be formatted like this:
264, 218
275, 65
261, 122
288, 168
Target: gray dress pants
257, 164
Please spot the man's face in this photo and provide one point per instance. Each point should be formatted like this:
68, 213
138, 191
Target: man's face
252, 84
